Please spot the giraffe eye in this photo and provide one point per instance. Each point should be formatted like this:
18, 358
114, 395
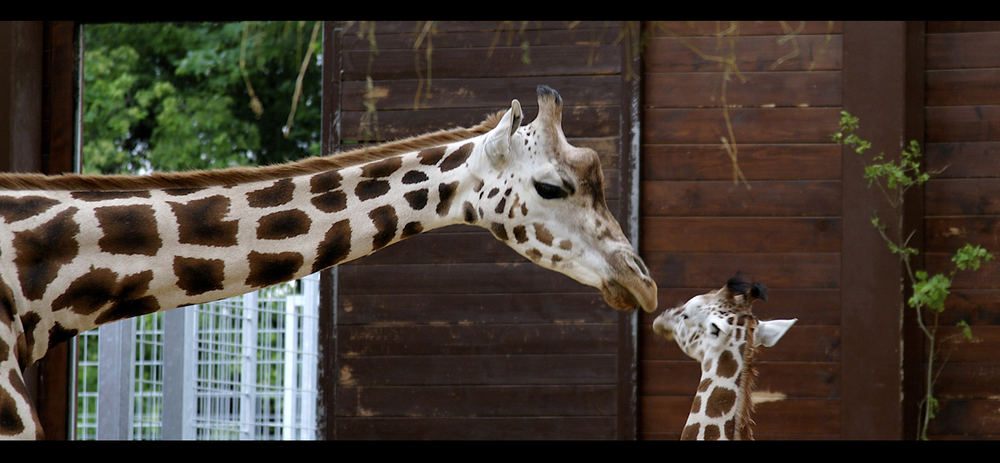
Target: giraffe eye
550, 191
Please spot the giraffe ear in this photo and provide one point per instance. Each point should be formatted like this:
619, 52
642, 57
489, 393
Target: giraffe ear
497, 145
769, 332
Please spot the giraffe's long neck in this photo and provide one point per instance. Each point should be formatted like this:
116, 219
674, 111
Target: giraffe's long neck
88, 258
722, 406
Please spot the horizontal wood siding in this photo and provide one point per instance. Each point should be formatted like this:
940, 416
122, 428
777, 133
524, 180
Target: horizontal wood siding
782, 226
450, 334
963, 206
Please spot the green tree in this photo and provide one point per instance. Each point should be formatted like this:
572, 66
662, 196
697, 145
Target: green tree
179, 96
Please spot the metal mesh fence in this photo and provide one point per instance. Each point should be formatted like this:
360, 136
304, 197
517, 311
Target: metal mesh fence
251, 373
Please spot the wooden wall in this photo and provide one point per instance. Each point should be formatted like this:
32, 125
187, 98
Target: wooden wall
781, 225
963, 205
450, 334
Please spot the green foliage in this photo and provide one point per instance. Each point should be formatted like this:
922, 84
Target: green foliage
169, 96
928, 292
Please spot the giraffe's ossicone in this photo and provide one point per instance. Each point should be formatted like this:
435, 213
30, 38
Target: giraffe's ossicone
718, 330
77, 251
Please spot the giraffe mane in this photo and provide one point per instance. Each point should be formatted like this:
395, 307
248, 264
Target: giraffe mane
235, 175
748, 382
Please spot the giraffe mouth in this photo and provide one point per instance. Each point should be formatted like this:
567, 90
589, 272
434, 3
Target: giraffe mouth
620, 297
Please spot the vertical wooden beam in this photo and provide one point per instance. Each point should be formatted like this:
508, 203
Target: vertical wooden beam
328, 371
628, 165
881, 87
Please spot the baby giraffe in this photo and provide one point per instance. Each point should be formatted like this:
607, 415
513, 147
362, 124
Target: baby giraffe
719, 331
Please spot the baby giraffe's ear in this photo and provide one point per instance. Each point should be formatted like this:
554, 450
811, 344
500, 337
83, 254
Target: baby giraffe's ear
497, 145
769, 332
758, 291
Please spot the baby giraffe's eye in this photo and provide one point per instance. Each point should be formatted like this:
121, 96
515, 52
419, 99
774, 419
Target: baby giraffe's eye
550, 191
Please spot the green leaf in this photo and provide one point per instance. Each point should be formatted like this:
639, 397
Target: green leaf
971, 257
966, 330
929, 292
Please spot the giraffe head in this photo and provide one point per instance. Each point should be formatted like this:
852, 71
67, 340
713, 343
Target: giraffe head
720, 320
719, 331
544, 198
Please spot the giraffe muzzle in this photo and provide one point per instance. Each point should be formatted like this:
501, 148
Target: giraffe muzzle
632, 287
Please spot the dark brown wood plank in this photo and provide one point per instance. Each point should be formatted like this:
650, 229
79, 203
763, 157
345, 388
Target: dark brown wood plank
750, 53
663, 417
977, 307
985, 278
953, 87
723, 198
963, 123
584, 306
959, 196
778, 270
750, 125
460, 428
948, 234
963, 159
759, 89
483, 62
477, 401
786, 380
454, 279
740, 234
745, 28
935, 27
468, 337
967, 418
478, 370
483, 92
756, 162
963, 50
578, 121
482, 34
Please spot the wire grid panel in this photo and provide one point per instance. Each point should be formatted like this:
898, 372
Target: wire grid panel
86, 385
253, 369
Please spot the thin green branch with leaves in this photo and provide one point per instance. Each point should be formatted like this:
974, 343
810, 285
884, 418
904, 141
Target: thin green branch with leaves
894, 178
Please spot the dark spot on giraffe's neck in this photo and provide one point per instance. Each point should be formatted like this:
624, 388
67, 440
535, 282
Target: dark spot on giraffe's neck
331, 201
15, 209
417, 199
197, 276
42, 251
325, 181
268, 269
100, 195
281, 192
370, 189
201, 222
385, 221
456, 158
446, 192
335, 247
412, 228
431, 156
128, 230
414, 176
383, 168
283, 224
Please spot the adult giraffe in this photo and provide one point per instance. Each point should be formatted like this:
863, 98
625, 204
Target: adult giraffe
79, 251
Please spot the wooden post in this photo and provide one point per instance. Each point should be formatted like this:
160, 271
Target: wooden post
883, 86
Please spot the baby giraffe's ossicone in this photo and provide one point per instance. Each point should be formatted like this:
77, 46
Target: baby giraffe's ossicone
718, 330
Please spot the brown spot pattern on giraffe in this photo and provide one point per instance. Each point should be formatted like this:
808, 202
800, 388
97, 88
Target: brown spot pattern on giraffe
726, 365
431, 156
325, 181
414, 176
10, 421
383, 168
281, 192
335, 247
128, 230
283, 224
711, 432
543, 234
456, 158
40, 252
197, 276
690, 431
100, 286
446, 191
14, 209
201, 222
101, 195
181, 191
498, 231
416, 199
331, 201
385, 221
470, 212
412, 228
370, 189
268, 269
58, 334
720, 401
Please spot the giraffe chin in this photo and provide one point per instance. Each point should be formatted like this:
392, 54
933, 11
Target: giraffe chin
621, 298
